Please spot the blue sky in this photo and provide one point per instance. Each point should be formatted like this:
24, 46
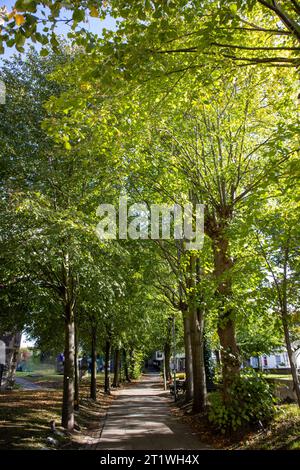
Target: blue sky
94, 25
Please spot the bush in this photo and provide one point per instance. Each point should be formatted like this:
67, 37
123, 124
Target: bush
251, 402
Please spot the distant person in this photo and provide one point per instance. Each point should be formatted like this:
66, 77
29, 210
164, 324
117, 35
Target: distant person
60, 361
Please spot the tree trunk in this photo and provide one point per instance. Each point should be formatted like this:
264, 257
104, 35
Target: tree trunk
218, 359
188, 356
199, 382
285, 322
226, 325
116, 380
131, 363
167, 354
76, 384
126, 372
107, 367
196, 319
229, 354
1, 373
202, 371
68, 388
291, 356
93, 387
164, 374
12, 353
209, 370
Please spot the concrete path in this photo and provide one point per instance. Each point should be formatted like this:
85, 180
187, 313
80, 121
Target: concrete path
27, 385
140, 418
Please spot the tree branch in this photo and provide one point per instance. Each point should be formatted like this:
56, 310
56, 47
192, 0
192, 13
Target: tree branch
258, 48
285, 18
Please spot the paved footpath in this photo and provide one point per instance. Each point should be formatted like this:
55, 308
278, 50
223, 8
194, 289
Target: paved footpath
140, 418
27, 385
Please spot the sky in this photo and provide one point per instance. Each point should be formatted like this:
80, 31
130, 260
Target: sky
94, 25
26, 342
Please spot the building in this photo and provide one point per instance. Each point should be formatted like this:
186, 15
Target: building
278, 360
157, 359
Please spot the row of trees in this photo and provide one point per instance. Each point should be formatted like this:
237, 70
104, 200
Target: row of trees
62, 285
168, 110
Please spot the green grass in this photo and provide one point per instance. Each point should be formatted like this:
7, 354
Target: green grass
278, 376
47, 376
44, 377
25, 416
282, 434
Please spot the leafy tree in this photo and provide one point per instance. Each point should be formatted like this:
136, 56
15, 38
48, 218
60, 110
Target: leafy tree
205, 25
51, 226
278, 245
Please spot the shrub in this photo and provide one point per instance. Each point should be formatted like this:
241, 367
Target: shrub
251, 402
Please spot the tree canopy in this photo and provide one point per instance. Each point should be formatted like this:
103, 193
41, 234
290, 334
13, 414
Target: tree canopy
184, 103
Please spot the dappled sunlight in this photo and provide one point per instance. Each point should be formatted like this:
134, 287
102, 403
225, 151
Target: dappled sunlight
140, 418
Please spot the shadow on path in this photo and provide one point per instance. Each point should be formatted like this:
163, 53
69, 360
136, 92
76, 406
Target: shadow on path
140, 418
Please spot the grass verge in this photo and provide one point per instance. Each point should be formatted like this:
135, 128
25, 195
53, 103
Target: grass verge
283, 433
25, 417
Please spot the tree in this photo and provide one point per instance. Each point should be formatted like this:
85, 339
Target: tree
216, 150
51, 223
278, 245
221, 143
204, 26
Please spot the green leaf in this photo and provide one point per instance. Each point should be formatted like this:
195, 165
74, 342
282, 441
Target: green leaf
233, 7
44, 52
67, 145
78, 15
26, 5
20, 40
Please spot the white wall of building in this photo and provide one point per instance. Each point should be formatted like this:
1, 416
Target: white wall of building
277, 360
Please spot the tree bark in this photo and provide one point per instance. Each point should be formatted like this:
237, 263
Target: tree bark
226, 325
126, 371
93, 387
68, 387
199, 397
131, 363
12, 353
1, 373
218, 359
167, 354
116, 380
107, 367
291, 356
188, 357
209, 372
76, 383
196, 319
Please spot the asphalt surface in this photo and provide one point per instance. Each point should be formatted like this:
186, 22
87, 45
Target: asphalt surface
140, 418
